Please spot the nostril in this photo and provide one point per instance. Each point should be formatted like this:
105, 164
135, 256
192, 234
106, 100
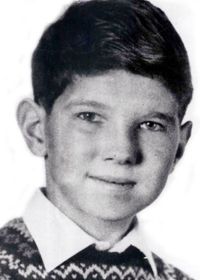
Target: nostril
122, 160
110, 158
128, 160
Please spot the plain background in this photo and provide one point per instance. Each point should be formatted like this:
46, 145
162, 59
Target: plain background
172, 223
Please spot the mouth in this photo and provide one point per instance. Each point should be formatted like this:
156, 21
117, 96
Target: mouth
120, 182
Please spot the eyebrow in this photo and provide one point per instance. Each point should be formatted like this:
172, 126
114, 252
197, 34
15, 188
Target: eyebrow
89, 103
164, 116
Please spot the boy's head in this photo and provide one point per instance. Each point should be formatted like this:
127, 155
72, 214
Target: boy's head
111, 82
96, 36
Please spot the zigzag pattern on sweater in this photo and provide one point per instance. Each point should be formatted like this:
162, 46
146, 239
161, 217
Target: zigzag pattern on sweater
75, 271
20, 259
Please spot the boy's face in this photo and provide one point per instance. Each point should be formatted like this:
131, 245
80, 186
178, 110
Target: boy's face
111, 141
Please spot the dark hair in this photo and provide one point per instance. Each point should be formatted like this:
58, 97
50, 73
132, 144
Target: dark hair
96, 36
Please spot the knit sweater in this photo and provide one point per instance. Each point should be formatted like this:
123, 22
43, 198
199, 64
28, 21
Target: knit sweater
20, 259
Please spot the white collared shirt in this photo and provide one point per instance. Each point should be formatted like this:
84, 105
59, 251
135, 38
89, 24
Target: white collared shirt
58, 238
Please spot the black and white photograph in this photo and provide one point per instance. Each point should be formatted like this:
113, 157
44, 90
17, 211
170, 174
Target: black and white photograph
100, 133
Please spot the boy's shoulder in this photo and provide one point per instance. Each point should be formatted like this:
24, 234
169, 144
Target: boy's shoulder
19, 254
15, 238
168, 271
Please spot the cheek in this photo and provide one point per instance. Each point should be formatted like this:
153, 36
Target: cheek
158, 161
160, 152
71, 152
163, 159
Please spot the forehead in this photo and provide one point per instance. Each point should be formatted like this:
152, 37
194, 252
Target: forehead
119, 89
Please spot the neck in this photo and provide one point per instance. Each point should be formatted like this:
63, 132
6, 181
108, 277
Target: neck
101, 229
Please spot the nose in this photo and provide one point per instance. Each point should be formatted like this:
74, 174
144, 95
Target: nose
122, 148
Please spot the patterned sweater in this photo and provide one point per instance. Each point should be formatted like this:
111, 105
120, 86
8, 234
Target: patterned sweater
20, 259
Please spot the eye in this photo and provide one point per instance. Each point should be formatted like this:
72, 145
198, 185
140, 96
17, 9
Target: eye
89, 117
153, 126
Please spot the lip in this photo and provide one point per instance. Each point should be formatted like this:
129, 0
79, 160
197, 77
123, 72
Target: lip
122, 182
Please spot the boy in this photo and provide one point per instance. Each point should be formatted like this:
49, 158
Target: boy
111, 83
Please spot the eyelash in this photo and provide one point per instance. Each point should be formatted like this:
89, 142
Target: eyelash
152, 126
90, 117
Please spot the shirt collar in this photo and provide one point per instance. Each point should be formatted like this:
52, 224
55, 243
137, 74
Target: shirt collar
58, 238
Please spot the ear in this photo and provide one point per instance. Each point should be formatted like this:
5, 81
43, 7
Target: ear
31, 120
185, 133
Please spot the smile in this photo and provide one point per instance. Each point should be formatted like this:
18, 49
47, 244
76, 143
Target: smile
115, 181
